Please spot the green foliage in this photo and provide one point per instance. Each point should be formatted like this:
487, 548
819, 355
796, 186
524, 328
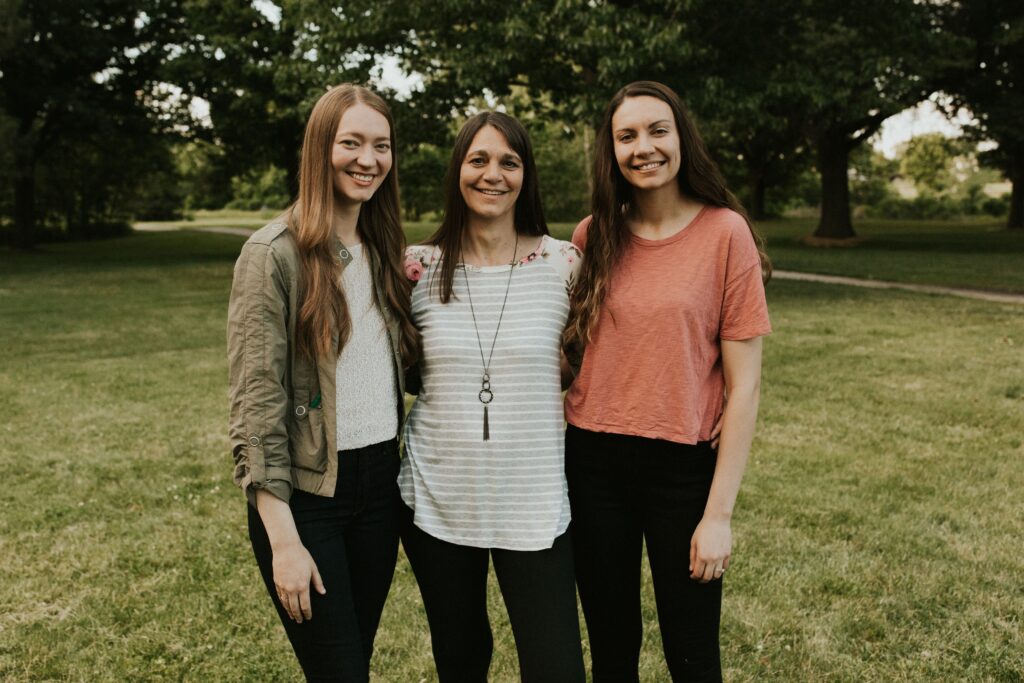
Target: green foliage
259, 188
928, 160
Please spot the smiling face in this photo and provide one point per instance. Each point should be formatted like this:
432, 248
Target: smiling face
361, 154
491, 175
646, 142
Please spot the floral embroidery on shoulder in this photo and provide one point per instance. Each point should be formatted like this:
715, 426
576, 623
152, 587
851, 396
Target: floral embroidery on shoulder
564, 256
418, 259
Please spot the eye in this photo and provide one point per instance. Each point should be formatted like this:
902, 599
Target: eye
384, 147
348, 143
511, 163
660, 131
477, 161
625, 137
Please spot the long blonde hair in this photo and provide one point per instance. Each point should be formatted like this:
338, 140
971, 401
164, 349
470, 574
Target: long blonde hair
323, 309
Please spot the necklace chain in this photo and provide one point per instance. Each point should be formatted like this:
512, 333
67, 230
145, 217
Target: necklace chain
485, 395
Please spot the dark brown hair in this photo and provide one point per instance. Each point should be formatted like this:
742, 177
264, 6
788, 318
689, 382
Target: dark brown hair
529, 212
324, 309
608, 233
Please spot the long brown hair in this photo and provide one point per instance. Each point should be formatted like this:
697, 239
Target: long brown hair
324, 309
608, 233
529, 212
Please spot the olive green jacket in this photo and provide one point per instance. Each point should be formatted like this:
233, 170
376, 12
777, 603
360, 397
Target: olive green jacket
282, 425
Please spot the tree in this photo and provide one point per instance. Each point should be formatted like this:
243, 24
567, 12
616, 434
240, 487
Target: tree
66, 65
988, 79
928, 161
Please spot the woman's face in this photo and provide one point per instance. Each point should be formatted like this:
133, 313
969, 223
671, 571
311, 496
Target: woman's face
491, 175
646, 142
361, 155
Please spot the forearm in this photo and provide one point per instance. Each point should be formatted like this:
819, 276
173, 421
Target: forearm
738, 424
277, 520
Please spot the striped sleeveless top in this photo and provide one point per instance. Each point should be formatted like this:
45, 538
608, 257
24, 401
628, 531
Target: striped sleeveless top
508, 492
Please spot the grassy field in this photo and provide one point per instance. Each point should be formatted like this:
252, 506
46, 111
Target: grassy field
877, 533
973, 253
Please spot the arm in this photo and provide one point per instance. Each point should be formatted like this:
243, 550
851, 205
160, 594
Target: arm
294, 567
257, 356
711, 545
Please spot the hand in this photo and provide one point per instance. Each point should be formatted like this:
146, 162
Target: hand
294, 569
710, 549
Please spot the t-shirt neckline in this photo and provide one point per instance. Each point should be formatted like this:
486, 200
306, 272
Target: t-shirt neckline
686, 230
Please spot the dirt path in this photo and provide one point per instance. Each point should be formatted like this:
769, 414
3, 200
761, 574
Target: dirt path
883, 284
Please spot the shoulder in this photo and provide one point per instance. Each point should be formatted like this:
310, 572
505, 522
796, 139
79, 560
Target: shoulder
579, 234
726, 224
552, 248
418, 259
274, 245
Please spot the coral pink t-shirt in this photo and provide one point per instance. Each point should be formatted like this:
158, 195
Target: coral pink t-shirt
653, 367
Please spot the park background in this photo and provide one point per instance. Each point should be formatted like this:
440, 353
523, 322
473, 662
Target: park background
878, 530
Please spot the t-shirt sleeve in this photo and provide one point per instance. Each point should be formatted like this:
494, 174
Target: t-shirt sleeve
417, 261
744, 307
579, 235
566, 259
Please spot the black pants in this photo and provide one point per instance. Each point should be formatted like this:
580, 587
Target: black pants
353, 538
539, 594
625, 490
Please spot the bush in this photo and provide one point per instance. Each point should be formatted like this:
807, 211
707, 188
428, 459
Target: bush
259, 188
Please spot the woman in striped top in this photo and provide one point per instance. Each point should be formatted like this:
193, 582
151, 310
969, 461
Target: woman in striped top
483, 475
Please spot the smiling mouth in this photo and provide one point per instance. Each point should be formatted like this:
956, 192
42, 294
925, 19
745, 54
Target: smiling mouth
648, 166
491, 193
362, 177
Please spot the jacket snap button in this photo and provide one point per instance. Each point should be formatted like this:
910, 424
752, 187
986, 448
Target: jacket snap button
254, 440
300, 410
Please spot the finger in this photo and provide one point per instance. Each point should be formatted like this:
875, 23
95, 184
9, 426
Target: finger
293, 608
717, 429
698, 569
725, 562
307, 609
693, 556
709, 572
718, 573
318, 583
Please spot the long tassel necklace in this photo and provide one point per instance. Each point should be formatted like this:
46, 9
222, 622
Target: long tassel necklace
485, 395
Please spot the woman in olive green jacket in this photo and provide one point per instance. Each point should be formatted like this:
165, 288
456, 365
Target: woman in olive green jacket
319, 335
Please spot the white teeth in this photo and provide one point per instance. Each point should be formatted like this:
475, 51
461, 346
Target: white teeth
362, 176
648, 166
493, 192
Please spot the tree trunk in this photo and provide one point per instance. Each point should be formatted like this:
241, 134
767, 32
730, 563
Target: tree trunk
25, 196
1016, 219
833, 163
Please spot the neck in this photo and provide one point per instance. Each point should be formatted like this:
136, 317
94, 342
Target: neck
663, 209
345, 221
489, 242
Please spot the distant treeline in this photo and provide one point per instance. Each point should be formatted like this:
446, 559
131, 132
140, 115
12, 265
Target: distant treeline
97, 127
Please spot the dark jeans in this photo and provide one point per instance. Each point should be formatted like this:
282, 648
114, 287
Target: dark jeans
625, 490
353, 538
539, 594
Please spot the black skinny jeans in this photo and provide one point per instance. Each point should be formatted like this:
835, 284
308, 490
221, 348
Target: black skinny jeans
625, 490
537, 586
353, 538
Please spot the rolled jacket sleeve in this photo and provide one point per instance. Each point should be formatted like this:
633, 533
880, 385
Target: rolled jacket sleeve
258, 348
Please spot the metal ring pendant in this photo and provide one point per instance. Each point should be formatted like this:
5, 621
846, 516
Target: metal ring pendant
485, 396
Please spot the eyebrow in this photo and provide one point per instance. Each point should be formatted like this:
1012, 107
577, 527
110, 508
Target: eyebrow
509, 155
350, 134
651, 125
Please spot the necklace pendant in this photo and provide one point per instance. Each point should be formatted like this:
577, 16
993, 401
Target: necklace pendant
487, 427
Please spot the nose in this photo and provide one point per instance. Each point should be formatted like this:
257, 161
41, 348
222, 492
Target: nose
365, 158
644, 146
492, 173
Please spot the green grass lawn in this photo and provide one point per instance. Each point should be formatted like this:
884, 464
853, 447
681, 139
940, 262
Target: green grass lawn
877, 536
972, 253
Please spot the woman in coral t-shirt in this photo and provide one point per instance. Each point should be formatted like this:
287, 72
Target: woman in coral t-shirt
667, 320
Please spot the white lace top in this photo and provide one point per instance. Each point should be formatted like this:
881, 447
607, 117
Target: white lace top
366, 397
508, 492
